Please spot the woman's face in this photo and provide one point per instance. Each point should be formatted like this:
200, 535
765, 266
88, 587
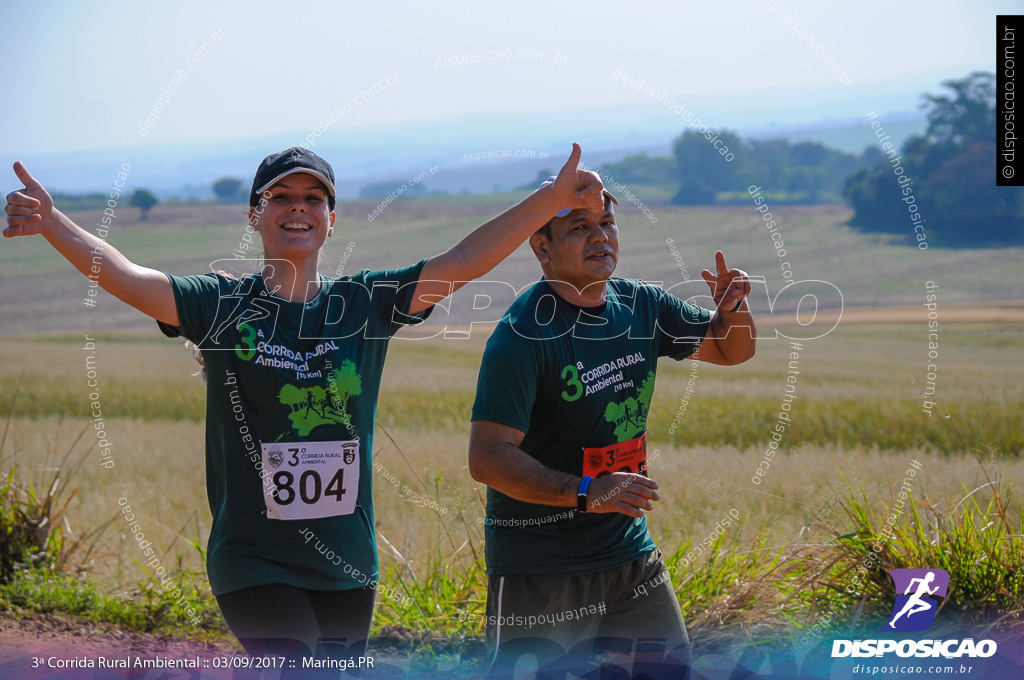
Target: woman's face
293, 217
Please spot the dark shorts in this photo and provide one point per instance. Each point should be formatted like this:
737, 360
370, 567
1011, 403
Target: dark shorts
627, 616
279, 620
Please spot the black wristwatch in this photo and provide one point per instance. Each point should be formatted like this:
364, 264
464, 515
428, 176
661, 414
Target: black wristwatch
581, 494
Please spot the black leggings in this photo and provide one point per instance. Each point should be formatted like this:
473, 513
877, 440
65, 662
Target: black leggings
284, 620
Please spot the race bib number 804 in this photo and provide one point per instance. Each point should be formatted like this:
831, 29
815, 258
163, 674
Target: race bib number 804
312, 479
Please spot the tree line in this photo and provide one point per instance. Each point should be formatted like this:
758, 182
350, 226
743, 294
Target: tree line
953, 170
946, 175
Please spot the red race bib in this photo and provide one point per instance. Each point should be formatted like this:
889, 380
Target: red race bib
627, 456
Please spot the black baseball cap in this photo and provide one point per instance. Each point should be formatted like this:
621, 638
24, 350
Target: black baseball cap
284, 163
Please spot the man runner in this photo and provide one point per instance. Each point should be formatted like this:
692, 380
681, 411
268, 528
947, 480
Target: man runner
559, 422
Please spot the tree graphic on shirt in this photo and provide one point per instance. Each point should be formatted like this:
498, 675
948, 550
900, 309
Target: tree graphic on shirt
630, 415
317, 405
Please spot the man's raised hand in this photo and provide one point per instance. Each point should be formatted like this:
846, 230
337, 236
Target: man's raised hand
28, 209
579, 188
729, 286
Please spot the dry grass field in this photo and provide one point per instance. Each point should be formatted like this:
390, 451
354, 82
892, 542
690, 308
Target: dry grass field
153, 409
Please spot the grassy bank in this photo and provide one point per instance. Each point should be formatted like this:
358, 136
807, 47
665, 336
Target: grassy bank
794, 563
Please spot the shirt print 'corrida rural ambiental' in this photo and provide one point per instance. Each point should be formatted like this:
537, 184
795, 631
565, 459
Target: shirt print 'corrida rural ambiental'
291, 399
583, 380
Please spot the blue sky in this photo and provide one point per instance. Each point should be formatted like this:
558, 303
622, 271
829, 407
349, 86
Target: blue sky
83, 76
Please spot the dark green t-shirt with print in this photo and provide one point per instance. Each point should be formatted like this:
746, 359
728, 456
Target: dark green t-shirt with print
291, 400
572, 378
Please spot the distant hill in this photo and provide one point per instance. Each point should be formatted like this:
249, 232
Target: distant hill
469, 153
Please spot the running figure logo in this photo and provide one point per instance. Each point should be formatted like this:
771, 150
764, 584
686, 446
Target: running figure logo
914, 610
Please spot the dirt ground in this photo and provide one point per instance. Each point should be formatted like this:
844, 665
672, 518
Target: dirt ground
54, 640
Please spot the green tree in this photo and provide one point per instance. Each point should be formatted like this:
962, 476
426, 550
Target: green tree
646, 392
862, 191
698, 158
291, 396
809, 171
227, 188
767, 163
144, 199
347, 381
952, 167
614, 412
694, 191
965, 194
966, 116
872, 156
814, 154
641, 169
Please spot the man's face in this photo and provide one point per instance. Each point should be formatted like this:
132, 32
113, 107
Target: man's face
293, 217
583, 248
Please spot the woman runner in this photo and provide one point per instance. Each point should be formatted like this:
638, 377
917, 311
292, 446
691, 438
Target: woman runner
293, 361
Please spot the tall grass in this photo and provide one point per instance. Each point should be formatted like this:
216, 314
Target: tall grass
888, 424
773, 587
787, 570
977, 538
35, 531
781, 582
44, 562
836, 571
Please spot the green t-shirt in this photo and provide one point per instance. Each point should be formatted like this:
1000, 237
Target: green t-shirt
572, 378
290, 375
